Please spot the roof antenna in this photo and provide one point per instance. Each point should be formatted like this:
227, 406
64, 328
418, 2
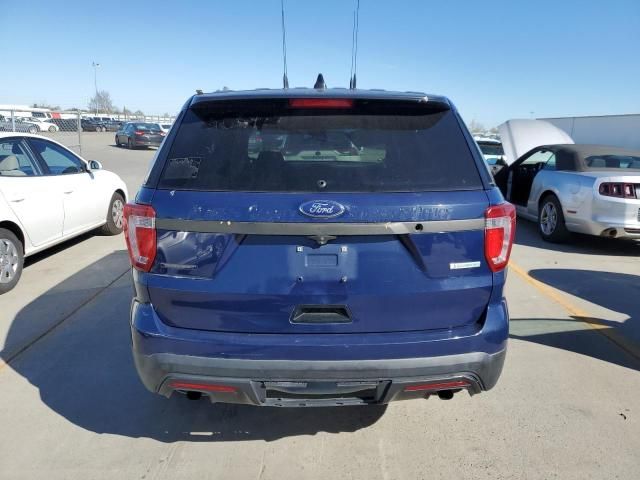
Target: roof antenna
320, 85
285, 79
354, 46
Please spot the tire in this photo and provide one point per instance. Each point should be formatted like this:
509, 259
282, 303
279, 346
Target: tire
129, 144
33, 129
114, 216
11, 260
551, 224
52, 129
117, 141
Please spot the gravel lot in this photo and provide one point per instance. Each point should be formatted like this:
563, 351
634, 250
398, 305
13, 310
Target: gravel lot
71, 406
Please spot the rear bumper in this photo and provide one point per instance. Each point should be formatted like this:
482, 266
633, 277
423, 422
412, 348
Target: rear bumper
309, 369
317, 383
146, 143
615, 217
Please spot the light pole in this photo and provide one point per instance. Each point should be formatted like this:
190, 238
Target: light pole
95, 82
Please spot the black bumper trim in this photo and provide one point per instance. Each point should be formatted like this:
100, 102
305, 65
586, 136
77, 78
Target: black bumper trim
248, 376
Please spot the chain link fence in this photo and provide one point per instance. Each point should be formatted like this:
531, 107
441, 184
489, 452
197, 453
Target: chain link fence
69, 128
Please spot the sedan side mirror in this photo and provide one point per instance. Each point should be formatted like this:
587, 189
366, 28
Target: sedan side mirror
95, 165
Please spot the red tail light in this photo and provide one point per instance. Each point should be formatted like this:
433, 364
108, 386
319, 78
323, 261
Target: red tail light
620, 190
321, 103
435, 386
207, 387
140, 234
139, 132
499, 231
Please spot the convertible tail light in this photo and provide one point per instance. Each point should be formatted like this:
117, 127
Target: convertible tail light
620, 190
499, 232
140, 234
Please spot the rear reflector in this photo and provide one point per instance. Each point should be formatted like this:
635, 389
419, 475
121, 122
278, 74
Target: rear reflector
202, 386
321, 103
140, 234
437, 386
499, 232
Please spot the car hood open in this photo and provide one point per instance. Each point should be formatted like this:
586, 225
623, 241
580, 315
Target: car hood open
521, 135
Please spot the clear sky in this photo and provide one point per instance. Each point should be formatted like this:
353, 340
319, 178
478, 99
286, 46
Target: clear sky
495, 59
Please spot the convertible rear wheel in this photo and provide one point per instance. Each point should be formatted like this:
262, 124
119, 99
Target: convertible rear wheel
551, 220
52, 128
11, 260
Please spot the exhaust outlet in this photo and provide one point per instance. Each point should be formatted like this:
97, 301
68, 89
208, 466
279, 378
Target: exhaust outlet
191, 395
445, 394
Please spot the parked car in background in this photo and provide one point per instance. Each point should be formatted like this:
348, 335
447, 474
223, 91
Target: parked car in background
44, 125
112, 125
6, 125
492, 152
165, 127
590, 189
49, 194
139, 134
368, 273
89, 125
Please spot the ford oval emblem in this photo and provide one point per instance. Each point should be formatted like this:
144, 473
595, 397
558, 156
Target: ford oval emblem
322, 209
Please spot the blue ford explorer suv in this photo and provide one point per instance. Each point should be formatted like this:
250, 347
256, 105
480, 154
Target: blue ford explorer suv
306, 247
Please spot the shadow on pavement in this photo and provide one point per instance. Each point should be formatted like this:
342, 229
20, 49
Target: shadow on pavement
37, 257
618, 292
527, 235
84, 372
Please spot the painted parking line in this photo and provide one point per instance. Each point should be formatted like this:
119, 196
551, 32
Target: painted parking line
619, 340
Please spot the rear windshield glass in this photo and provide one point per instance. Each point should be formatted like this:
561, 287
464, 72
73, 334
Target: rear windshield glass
491, 148
280, 149
146, 126
613, 161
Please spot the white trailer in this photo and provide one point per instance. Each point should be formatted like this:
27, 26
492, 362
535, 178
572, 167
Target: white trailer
616, 130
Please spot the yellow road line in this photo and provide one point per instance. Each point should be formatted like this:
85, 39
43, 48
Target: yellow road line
609, 332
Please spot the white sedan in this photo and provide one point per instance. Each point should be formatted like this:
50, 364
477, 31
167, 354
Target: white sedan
42, 125
49, 194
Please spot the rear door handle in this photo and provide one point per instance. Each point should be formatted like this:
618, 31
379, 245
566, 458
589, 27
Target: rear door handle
67, 192
17, 200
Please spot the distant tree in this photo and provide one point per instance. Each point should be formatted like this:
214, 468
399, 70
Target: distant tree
139, 113
475, 126
494, 130
101, 102
166, 115
126, 111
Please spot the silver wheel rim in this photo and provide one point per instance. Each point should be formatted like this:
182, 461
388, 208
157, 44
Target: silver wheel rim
548, 218
9, 260
117, 211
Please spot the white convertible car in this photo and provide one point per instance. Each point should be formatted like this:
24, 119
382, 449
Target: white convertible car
49, 194
564, 187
